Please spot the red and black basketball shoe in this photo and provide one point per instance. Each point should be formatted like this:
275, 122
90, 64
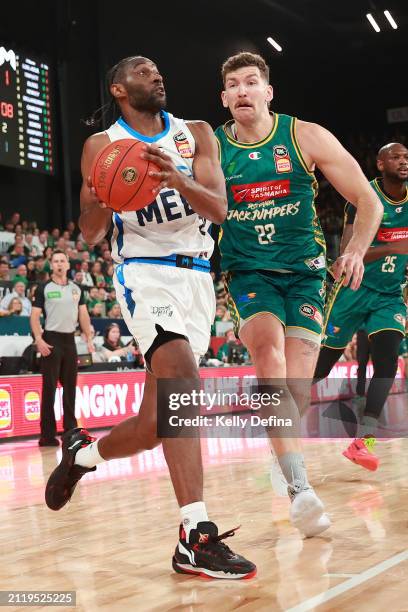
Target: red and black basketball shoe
63, 480
206, 555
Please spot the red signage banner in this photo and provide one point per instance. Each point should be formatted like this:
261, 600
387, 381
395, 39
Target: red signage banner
107, 398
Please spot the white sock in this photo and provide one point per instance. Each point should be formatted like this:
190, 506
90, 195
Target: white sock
89, 456
191, 515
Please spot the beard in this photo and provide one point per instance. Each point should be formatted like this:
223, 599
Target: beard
150, 103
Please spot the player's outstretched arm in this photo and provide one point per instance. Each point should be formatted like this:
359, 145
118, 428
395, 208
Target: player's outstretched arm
95, 218
206, 194
346, 176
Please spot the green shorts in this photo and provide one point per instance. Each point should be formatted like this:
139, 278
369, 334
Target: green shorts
295, 299
348, 311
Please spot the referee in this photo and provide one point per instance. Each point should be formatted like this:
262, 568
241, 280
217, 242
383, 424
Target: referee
62, 303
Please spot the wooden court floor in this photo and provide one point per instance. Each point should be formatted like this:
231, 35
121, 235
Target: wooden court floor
113, 543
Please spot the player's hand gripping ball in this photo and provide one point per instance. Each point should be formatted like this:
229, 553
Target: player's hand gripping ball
121, 177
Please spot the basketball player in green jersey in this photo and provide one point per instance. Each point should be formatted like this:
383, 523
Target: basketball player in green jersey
378, 305
273, 248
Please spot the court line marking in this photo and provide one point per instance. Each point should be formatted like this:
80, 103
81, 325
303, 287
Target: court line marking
347, 585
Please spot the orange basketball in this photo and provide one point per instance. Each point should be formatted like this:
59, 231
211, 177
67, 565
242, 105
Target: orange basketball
121, 177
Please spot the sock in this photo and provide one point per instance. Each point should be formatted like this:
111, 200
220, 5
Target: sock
89, 456
294, 470
191, 515
368, 426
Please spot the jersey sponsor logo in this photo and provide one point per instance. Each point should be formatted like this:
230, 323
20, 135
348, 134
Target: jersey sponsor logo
307, 310
245, 297
317, 263
162, 311
400, 319
392, 234
182, 144
129, 175
332, 329
255, 155
234, 176
399, 209
54, 295
264, 213
282, 159
258, 192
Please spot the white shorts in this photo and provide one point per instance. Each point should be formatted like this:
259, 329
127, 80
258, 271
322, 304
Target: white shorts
180, 300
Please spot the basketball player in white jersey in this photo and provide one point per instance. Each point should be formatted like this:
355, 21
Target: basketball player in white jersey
166, 296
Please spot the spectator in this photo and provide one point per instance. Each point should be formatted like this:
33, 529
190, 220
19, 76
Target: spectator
14, 308
78, 278
82, 346
102, 295
109, 277
18, 292
18, 256
110, 298
232, 351
21, 274
92, 297
73, 230
4, 271
99, 279
31, 271
88, 281
113, 345
61, 244
33, 247
97, 310
114, 312
47, 258
55, 234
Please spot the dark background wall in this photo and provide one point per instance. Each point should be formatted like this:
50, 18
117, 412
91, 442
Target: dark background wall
334, 69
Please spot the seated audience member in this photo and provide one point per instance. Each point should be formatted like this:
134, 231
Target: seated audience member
21, 274
18, 292
97, 275
31, 271
4, 271
113, 344
88, 280
33, 248
82, 345
97, 310
232, 351
18, 257
111, 298
18, 241
114, 312
78, 278
14, 308
92, 298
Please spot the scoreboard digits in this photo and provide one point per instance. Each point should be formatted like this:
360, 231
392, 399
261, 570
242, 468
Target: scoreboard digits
26, 134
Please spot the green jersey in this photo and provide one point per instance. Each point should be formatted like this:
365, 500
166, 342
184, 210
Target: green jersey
271, 222
386, 275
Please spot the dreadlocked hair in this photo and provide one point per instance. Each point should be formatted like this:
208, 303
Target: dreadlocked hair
116, 74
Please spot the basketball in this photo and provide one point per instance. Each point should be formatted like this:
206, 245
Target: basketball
121, 177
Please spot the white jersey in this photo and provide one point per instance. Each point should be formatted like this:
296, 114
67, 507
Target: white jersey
168, 225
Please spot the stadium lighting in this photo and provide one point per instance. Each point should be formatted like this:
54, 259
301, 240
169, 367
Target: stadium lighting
373, 22
391, 19
274, 43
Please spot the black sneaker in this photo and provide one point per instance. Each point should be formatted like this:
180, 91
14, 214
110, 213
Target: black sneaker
63, 480
205, 555
48, 442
